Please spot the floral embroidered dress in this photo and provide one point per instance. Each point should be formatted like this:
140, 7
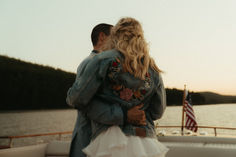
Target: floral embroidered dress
107, 83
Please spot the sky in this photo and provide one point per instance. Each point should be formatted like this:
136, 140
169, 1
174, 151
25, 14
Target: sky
192, 41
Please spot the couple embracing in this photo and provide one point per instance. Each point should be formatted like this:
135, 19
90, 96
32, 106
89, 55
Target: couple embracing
118, 93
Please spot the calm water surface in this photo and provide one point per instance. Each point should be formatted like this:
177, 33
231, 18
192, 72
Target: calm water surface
44, 121
220, 115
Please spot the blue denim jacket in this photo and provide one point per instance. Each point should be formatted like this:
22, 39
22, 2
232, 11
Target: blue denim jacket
103, 92
107, 113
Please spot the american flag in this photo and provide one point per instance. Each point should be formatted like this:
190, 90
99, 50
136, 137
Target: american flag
190, 120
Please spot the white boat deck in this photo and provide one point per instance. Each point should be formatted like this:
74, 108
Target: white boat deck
180, 146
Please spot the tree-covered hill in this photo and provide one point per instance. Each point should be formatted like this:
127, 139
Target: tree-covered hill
175, 97
25, 85
30, 86
214, 98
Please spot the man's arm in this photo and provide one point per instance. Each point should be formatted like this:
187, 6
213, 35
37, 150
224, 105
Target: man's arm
114, 114
87, 84
105, 113
71, 93
158, 101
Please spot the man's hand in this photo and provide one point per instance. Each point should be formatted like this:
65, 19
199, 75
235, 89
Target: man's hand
136, 116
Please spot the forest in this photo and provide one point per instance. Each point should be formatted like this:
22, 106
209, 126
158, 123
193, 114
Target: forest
26, 85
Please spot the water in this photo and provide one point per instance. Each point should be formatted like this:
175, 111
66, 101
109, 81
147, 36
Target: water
45, 121
36, 122
220, 115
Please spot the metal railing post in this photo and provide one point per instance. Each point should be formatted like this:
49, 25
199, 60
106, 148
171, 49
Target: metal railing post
11, 142
60, 137
215, 131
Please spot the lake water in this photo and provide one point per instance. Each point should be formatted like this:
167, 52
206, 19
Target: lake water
45, 121
220, 115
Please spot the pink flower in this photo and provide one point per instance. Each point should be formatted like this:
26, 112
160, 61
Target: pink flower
126, 94
114, 64
143, 92
147, 75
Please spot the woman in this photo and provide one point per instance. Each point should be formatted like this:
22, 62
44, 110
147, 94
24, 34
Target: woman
124, 75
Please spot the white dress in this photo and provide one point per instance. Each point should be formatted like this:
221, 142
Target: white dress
114, 143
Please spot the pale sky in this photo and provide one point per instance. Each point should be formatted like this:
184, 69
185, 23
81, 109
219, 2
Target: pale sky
193, 41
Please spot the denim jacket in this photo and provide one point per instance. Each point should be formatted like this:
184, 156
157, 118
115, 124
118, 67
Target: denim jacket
105, 113
104, 92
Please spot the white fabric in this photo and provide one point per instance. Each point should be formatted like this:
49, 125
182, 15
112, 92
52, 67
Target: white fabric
114, 143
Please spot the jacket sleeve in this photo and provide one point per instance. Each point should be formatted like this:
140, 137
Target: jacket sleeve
105, 113
87, 84
158, 100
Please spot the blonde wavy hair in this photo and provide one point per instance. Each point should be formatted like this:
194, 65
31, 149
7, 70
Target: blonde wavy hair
128, 38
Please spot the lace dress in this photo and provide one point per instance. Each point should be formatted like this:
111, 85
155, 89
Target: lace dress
114, 143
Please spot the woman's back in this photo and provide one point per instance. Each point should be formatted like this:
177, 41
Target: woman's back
125, 90
122, 89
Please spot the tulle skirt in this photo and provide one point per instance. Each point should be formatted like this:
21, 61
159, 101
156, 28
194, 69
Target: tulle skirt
114, 143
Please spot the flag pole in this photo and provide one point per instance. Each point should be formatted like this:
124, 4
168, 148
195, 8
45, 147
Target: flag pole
182, 126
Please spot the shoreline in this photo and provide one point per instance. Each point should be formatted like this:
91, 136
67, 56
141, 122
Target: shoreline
59, 109
35, 110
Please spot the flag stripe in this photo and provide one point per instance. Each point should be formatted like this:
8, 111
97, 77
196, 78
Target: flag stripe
190, 112
190, 121
191, 115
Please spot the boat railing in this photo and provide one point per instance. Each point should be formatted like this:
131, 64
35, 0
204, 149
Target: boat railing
215, 128
10, 144
11, 138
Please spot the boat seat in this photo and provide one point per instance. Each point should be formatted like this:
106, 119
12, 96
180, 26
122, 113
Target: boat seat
198, 139
26, 151
58, 149
192, 146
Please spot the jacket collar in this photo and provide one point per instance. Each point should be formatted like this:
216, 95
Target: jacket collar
95, 51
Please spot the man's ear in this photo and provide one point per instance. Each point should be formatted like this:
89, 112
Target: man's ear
102, 36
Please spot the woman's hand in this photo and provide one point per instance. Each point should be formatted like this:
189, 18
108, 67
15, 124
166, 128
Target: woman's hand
136, 116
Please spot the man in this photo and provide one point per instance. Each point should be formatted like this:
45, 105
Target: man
107, 112
82, 131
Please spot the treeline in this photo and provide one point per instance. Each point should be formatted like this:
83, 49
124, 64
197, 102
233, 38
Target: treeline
30, 86
214, 98
26, 85
175, 97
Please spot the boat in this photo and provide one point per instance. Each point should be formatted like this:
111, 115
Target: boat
180, 143
179, 146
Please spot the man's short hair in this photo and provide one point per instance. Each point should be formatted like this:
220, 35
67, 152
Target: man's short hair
103, 27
